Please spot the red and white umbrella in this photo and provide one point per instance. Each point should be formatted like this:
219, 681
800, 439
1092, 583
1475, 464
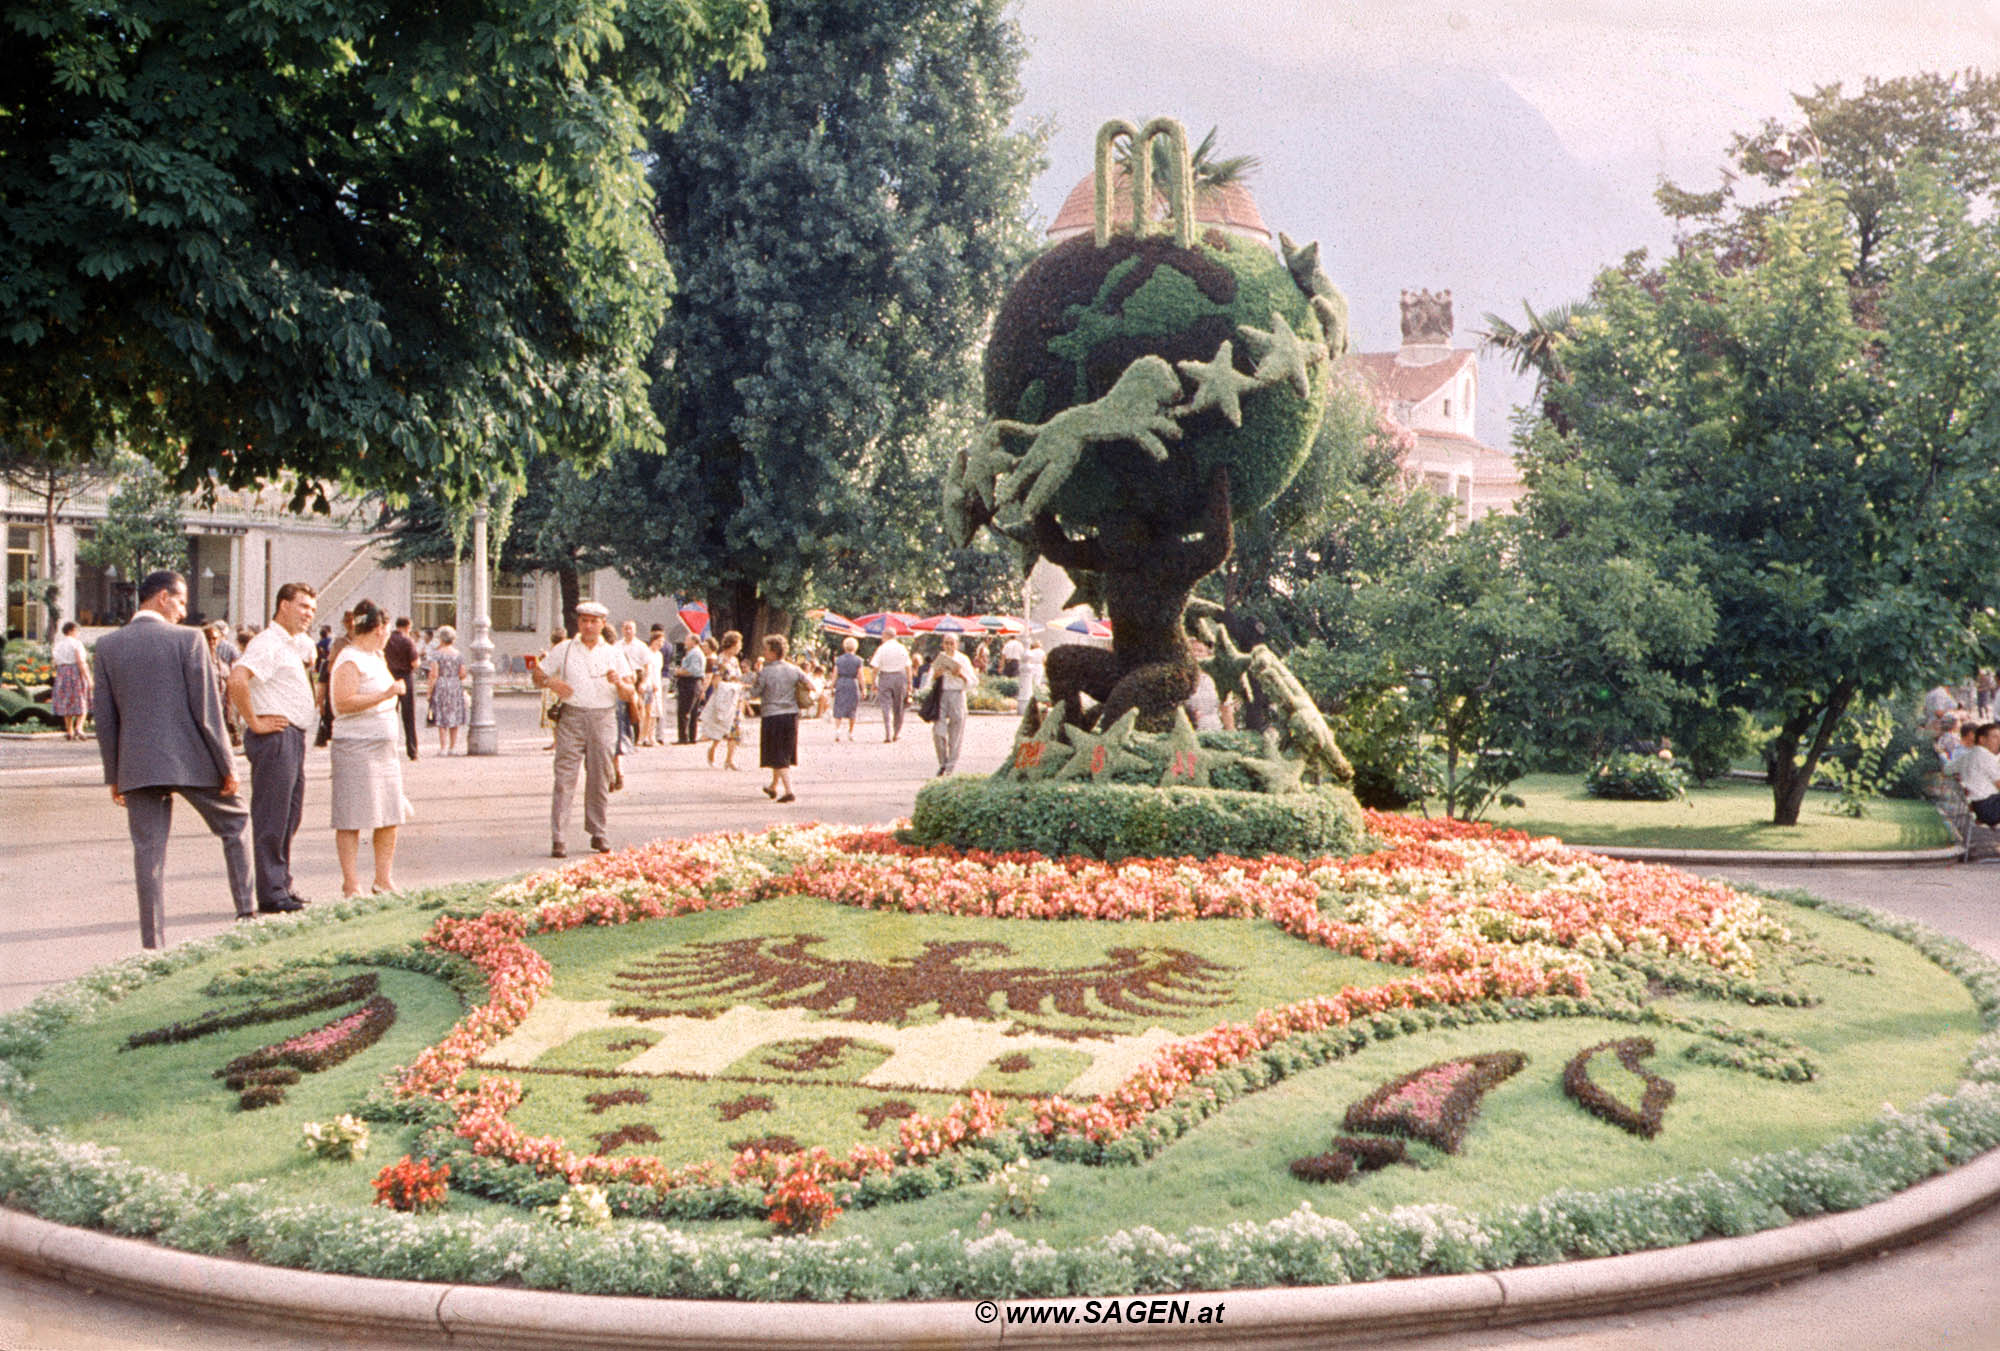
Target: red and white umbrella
947, 624
839, 625
1007, 624
887, 623
1081, 626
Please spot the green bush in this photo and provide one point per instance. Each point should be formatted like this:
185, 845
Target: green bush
1630, 777
1710, 740
1114, 821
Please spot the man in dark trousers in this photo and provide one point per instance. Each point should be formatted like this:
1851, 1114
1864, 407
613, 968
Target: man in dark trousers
272, 692
689, 673
401, 657
160, 731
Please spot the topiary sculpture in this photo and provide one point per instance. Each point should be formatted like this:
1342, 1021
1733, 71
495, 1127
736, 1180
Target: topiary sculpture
1148, 388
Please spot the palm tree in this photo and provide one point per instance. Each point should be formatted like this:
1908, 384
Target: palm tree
1211, 174
1537, 349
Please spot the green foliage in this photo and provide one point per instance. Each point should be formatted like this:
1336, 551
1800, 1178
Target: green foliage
1863, 143
1818, 467
1882, 749
1079, 316
1114, 821
142, 528
310, 242
840, 224
1632, 777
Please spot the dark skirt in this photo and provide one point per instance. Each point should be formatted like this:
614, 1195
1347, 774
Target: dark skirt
778, 740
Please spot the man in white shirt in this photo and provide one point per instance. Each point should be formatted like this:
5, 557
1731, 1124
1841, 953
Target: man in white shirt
635, 657
956, 676
592, 678
1032, 662
270, 688
690, 673
891, 664
1011, 653
1978, 770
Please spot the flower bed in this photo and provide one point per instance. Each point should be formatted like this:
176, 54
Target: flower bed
79, 1183
1476, 915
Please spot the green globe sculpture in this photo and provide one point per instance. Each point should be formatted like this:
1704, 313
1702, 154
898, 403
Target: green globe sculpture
1148, 386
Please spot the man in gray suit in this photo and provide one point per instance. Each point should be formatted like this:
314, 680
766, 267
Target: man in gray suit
160, 730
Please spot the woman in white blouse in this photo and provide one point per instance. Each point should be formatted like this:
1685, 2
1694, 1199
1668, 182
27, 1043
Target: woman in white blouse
367, 763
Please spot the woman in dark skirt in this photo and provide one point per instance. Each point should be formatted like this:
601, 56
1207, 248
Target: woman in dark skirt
776, 688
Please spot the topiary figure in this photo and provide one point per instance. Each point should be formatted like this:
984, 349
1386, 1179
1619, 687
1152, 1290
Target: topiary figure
1147, 388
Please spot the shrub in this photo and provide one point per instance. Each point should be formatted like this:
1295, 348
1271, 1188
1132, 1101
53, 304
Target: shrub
1114, 821
1335, 1166
1630, 777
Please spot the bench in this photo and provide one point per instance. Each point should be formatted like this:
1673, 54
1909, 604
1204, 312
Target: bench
1951, 801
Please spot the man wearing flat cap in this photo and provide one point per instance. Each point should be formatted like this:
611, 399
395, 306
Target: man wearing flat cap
592, 678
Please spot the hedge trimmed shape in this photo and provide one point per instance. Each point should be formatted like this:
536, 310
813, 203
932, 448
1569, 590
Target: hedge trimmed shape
1643, 1120
1116, 821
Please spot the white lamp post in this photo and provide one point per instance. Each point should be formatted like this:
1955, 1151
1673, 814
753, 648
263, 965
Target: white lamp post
482, 737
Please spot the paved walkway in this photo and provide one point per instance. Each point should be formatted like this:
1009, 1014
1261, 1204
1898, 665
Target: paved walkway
66, 905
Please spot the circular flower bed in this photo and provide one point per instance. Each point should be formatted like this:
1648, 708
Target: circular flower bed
1474, 929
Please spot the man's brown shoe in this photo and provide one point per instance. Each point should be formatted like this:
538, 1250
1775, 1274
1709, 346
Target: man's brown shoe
556, 850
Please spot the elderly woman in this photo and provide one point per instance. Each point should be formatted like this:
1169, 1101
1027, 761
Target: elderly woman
781, 689
847, 669
446, 673
71, 699
367, 752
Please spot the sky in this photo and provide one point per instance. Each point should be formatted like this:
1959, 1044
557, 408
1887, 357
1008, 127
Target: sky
1506, 149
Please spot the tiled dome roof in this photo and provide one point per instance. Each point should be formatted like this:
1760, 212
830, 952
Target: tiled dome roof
1232, 208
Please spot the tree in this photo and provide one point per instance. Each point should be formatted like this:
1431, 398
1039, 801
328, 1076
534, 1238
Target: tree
550, 526
334, 241
48, 469
842, 223
1862, 144
1826, 481
1536, 349
142, 530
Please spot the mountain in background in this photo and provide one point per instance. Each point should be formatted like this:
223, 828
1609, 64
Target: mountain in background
1408, 177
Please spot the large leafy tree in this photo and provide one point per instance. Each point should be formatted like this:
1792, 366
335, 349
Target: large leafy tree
305, 241
1862, 144
1821, 465
841, 223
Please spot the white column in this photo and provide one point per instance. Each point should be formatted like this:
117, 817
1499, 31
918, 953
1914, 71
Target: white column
482, 737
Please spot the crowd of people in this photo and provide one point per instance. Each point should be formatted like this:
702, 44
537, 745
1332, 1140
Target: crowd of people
1968, 741
172, 703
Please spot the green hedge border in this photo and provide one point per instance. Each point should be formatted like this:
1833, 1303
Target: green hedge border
1115, 821
79, 1183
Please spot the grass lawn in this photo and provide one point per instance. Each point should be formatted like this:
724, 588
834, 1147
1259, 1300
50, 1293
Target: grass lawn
1727, 816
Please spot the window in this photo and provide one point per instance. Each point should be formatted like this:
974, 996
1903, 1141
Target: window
434, 594
513, 602
1447, 407
24, 565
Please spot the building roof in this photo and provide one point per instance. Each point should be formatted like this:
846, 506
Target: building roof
1490, 461
1233, 208
1411, 384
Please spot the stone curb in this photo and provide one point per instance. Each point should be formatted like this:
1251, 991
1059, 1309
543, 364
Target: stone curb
1780, 858
1318, 1316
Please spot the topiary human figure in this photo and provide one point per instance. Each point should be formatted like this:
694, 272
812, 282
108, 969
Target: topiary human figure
1146, 390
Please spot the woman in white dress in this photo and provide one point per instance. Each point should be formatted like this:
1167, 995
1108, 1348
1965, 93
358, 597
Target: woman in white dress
722, 704
367, 759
